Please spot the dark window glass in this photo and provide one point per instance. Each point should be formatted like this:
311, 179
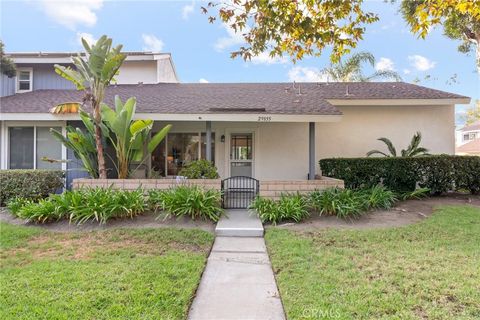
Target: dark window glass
21, 147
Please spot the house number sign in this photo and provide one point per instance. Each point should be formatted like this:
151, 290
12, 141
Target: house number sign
264, 119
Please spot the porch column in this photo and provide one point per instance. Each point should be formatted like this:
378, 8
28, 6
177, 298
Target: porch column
311, 151
208, 141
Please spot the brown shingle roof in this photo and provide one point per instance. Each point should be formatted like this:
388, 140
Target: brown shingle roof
472, 147
276, 98
474, 126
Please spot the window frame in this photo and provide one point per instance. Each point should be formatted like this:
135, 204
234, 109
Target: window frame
30, 80
6, 140
198, 133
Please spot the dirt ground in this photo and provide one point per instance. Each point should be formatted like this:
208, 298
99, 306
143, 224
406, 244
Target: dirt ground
148, 220
405, 212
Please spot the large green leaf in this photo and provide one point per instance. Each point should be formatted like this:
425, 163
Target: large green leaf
140, 125
158, 137
71, 75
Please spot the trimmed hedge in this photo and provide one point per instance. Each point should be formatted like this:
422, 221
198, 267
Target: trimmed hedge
440, 173
29, 184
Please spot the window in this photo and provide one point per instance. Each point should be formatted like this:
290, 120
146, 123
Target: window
30, 146
24, 80
179, 149
469, 136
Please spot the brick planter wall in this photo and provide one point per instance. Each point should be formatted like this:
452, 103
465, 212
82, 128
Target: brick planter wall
132, 184
268, 188
273, 189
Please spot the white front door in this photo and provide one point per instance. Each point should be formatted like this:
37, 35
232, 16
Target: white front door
241, 160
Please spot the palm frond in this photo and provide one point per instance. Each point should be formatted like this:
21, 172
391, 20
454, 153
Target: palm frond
390, 146
372, 152
419, 152
384, 74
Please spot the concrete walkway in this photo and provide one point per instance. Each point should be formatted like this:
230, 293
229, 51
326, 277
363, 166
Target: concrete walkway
238, 281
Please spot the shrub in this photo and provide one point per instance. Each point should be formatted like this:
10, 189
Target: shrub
15, 204
103, 204
440, 173
416, 194
29, 184
378, 197
199, 169
288, 207
343, 203
192, 201
81, 205
42, 211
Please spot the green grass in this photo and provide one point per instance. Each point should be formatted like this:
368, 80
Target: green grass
429, 270
115, 274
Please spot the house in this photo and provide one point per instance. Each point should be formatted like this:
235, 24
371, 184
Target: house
269, 131
468, 139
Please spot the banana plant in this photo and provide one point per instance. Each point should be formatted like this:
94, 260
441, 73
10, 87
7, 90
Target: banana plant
82, 143
130, 138
93, 72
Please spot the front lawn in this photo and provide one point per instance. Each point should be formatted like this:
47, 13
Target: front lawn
115, 274
430, 270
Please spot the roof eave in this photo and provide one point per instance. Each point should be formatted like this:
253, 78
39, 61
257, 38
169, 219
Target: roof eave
223, 117
398, 102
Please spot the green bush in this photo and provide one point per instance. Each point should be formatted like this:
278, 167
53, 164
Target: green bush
199, 169
348, 203
193, 201
343, 203
440, 173
82, 205
378, 197
288, 207
28, 184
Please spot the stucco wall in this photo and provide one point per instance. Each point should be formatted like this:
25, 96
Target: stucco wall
133, 72
359, 128
281, 149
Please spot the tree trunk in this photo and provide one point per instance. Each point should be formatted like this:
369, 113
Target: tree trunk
102, 171
478, 54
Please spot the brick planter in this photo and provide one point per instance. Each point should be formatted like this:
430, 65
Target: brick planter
268, 188
274, 188
132, 184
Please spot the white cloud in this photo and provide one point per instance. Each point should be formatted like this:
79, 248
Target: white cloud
306, 74
202, 80
265, 58
421, 63
385, 64
152, 43
87, 36
406, 71
73, 12
187, 10
233, 39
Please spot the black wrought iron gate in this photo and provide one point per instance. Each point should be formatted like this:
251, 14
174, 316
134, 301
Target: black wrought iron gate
238, 192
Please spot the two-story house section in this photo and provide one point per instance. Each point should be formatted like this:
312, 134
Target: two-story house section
35, 71
25, 138
468, 139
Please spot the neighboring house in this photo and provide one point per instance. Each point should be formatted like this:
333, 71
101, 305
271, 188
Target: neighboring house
468, 139
270, 131
468, 133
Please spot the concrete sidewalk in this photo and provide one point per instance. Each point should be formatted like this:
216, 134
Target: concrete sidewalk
238, 282
239, 223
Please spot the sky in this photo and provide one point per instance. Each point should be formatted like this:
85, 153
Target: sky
201, 51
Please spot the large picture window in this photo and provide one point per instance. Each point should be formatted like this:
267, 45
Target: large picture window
30, 146
179, 149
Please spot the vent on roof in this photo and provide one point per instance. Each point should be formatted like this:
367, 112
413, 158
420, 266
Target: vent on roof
237, 109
